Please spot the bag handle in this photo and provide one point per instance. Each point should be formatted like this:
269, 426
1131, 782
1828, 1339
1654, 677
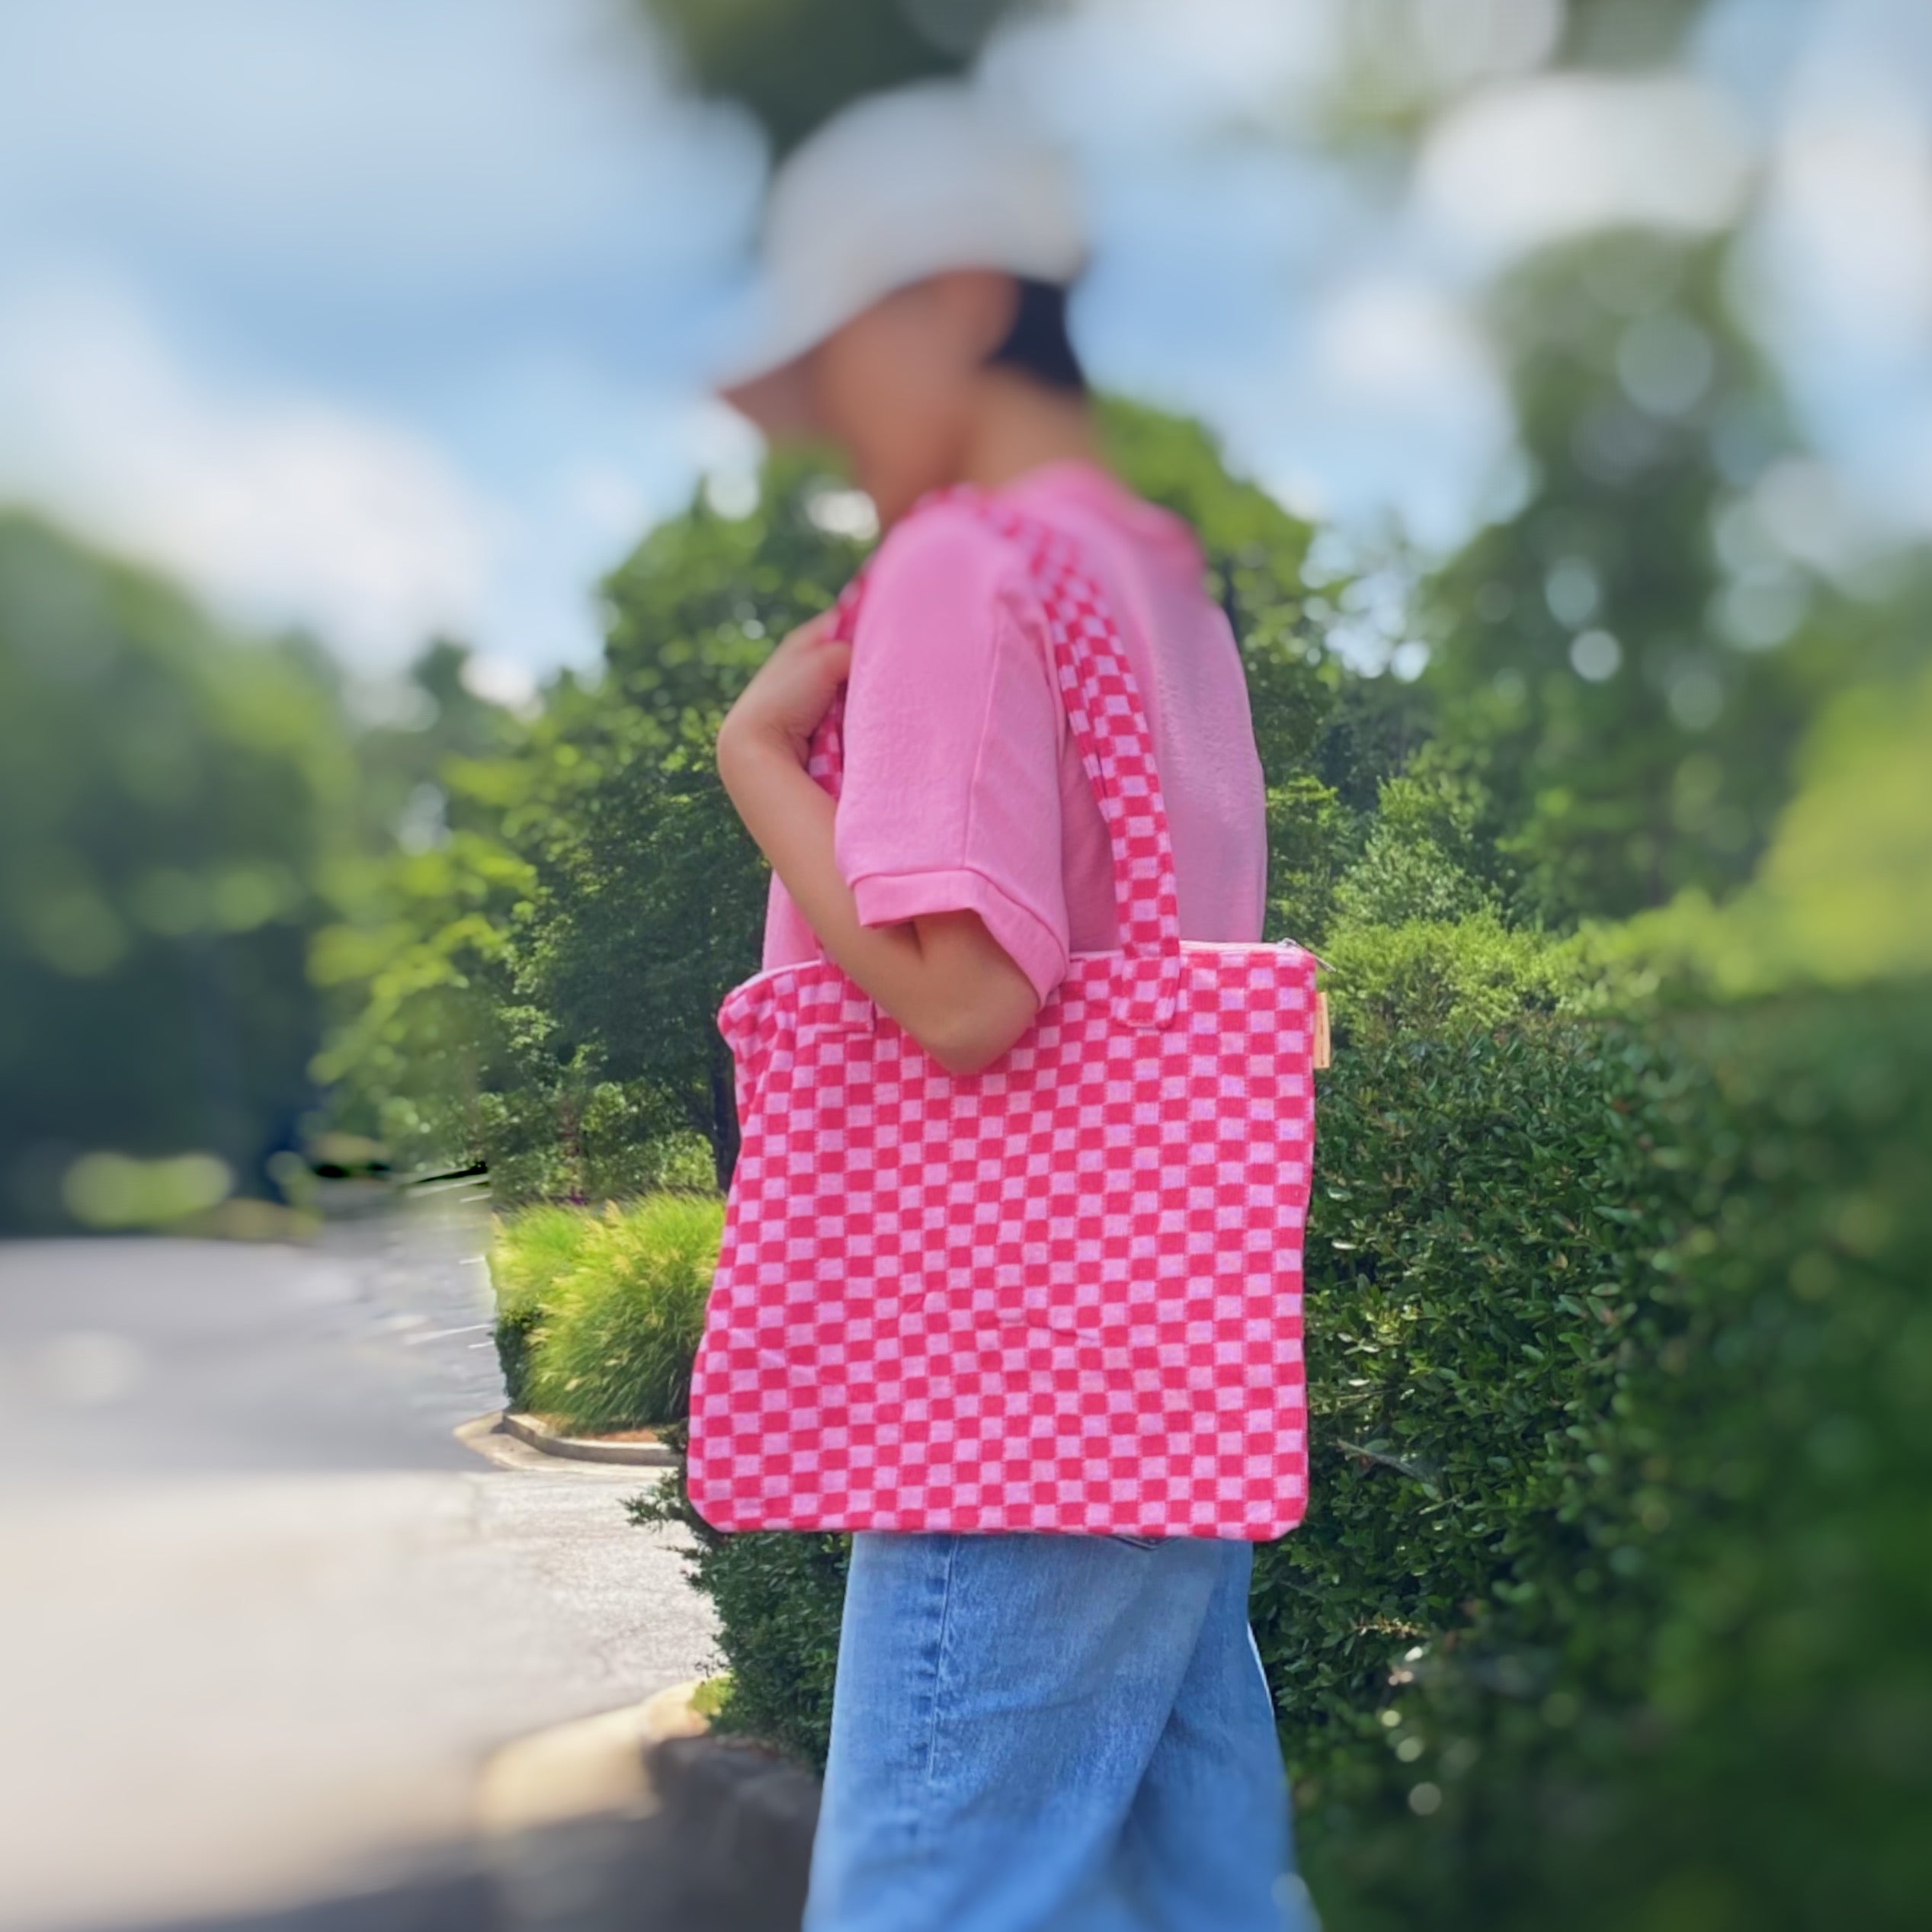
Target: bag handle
1103, 707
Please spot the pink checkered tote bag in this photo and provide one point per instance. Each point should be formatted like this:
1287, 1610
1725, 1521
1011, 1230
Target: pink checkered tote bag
1063, 1294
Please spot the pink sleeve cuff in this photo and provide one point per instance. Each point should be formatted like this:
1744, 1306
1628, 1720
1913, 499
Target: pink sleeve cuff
886, 899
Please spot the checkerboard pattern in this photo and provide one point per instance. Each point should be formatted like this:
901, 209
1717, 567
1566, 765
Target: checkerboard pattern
1063, 1294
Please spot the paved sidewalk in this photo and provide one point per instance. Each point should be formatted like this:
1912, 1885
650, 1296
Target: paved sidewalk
264, 1614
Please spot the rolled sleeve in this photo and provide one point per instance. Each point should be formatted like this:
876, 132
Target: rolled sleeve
887, 899
953, 735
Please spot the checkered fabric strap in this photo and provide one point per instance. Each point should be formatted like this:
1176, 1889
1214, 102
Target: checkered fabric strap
825, 755
1116, 748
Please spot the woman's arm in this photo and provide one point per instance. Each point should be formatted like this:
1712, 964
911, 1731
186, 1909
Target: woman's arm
942, 976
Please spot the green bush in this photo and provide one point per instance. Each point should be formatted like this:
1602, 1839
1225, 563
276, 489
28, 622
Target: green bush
1610, 1608
1419, 860
599, 1313
777, 1596
605, 1142
1426, 978
531, 1251
177, 807
1617, 1619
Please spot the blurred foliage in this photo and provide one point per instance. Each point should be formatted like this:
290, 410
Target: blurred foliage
1609, 1612
1624, 668
1844, 895
649, 898
173, 803
1328, 737
1606, 1612
599, 1312
777, 1596
538, 989
433, 722
794, 63
1622, 33
418, 972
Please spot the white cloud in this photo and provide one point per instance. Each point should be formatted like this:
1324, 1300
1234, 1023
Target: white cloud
1851, 200
1521, 166
1836, 278
381, 152
378, 316
1476, 38
727, 450
1393, 406
411, 294
606, 499
1400, 340
1127, 75
280, 509
1123, 75
501, 680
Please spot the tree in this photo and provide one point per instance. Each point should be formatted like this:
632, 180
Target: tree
403, 791
548, 975
1631, 731
1327, 736
416, 968
649, 896
173, 800
794, 63
419, 972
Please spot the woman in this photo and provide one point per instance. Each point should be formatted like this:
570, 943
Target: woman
1029, 1731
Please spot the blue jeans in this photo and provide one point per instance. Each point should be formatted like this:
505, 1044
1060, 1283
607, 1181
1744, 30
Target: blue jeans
1052, 1734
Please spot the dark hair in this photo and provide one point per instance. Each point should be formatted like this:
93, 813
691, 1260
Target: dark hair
1038, 345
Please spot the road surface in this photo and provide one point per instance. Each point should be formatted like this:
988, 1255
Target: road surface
262, 1613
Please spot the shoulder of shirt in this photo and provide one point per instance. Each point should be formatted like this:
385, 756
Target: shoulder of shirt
950, 545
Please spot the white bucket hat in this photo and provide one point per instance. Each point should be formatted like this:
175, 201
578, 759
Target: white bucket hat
898, 186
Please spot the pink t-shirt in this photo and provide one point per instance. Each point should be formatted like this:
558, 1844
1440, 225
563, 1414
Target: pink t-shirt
963, 789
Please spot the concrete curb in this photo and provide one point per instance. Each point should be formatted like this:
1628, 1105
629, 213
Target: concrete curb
699, 1834
536, 1434
593, 1766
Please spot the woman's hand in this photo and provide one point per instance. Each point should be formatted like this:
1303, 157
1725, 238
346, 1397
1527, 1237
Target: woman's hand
944, 978
792, 690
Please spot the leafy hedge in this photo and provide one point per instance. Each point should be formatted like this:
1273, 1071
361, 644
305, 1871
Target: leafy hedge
777, 1597
1608, 1617
1611, 1608
531, 1251
609, 1142
599, 1313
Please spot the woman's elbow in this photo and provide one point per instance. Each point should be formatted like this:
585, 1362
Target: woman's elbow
970, 1003
967, 1043
963, 1059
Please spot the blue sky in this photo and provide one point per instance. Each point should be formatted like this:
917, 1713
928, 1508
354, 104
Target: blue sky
383, 316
